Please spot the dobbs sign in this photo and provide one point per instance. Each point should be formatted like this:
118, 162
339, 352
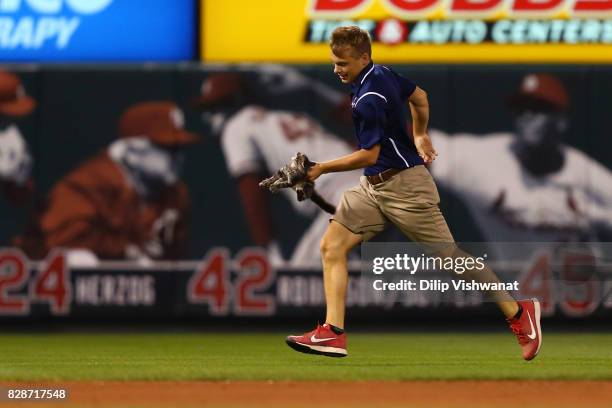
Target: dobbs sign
578, 31
111, 30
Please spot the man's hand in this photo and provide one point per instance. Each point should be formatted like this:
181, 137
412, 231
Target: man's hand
314, 172
425, 148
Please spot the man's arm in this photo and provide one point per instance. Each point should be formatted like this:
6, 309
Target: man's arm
419, 109
356, 160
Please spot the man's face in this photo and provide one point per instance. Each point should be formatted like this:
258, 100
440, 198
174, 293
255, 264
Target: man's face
156, 165
348, 66
537, 128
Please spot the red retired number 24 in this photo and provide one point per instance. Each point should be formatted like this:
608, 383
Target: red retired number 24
51, 284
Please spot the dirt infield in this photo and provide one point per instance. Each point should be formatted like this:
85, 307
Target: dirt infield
370, 394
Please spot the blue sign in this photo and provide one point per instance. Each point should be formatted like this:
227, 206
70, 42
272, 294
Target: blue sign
97, 30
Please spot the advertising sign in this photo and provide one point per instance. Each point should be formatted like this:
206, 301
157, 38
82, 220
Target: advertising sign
577, 31
96, 30
248, 286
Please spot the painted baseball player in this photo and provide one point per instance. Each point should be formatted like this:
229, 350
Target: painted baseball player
396, 187
15, 158
255, 140
542, 190
127, 202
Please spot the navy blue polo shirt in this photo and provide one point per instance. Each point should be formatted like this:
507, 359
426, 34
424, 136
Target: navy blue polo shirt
379, 96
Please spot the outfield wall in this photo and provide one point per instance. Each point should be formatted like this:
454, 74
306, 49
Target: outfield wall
221, 288
487, 195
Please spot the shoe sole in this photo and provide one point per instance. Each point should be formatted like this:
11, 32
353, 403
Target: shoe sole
538, 312
320, 350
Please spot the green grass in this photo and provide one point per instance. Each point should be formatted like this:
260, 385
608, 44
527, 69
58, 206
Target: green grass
447, 356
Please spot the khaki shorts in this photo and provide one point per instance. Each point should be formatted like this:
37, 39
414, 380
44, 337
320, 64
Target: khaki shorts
409, 200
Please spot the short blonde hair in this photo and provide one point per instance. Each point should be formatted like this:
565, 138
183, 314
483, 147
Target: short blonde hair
351, 37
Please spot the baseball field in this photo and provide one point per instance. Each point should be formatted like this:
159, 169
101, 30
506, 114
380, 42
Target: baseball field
259, 370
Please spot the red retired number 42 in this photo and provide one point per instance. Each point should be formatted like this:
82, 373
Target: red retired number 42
211, 283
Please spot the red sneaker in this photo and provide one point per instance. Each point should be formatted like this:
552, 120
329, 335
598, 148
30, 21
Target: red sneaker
321, 340
527, 328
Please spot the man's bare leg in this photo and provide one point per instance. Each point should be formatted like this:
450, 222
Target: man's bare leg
330, 339
335, 246
505, 301
503, 298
